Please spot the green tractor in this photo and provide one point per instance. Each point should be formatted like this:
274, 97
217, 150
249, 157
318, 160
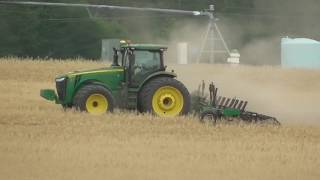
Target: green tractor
138, 82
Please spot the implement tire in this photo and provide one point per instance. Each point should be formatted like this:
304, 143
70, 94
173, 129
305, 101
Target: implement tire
164, 97
94, 99
209, 116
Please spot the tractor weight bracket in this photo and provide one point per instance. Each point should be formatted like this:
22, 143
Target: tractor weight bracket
49, 94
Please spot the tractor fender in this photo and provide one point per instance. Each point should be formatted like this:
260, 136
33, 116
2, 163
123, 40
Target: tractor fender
90, 82
98, 83
156, 75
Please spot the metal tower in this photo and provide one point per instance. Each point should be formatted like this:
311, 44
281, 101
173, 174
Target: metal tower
211, 39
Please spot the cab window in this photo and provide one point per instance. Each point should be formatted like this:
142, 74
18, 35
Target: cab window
146, 63
147, 59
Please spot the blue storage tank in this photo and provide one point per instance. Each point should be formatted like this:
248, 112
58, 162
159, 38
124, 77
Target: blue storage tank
300, 53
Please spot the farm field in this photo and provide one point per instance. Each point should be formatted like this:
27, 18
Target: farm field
38, 140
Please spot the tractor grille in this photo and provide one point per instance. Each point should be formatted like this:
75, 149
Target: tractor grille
61, 89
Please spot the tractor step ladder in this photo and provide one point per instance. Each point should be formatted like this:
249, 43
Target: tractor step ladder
132, 99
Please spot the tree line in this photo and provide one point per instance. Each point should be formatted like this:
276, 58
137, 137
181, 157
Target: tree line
67, 32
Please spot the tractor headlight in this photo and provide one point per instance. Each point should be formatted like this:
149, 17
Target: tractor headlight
60, 79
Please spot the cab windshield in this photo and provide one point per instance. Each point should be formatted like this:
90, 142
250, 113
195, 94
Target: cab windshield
147, 59
144, 63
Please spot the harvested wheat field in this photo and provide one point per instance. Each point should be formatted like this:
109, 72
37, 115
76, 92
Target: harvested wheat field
38, 140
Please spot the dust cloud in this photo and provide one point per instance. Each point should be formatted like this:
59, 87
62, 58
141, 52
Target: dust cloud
291, 95
272, 20
262, 51
255, 31
191, 32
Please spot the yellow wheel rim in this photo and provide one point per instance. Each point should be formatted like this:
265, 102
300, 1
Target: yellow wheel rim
97, 104
167, 102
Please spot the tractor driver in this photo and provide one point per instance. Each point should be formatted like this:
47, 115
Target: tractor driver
146, 62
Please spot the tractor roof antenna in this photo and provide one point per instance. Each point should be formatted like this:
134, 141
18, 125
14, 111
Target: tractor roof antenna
211, 38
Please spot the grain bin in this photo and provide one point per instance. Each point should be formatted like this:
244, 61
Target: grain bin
107, 48
182, 53
300, 53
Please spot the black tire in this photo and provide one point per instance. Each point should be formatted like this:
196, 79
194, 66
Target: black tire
81, 97
148, 91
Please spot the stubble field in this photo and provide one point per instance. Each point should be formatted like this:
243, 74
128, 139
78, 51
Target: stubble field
38, 140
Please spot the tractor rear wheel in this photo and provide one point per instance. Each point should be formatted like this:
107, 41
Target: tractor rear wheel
94, 99
165, 97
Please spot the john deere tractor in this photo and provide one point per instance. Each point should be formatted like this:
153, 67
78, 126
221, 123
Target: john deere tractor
136, 80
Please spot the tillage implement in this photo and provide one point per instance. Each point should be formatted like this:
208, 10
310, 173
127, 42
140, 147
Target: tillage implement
222, 109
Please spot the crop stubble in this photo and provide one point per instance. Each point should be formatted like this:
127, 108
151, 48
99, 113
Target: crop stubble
38, 140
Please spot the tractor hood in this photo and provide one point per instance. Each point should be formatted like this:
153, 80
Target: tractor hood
90, 72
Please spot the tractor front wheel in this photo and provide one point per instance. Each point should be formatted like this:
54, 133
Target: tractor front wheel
94, 99
165, 97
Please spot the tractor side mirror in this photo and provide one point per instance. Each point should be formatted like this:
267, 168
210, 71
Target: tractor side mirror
115, 58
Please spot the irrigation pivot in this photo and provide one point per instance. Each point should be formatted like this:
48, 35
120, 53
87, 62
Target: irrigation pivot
208, 40
159, 10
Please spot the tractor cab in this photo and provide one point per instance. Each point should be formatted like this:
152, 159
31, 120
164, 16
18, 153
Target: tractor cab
139, 61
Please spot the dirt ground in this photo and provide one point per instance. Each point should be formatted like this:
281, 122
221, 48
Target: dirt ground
38, 140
